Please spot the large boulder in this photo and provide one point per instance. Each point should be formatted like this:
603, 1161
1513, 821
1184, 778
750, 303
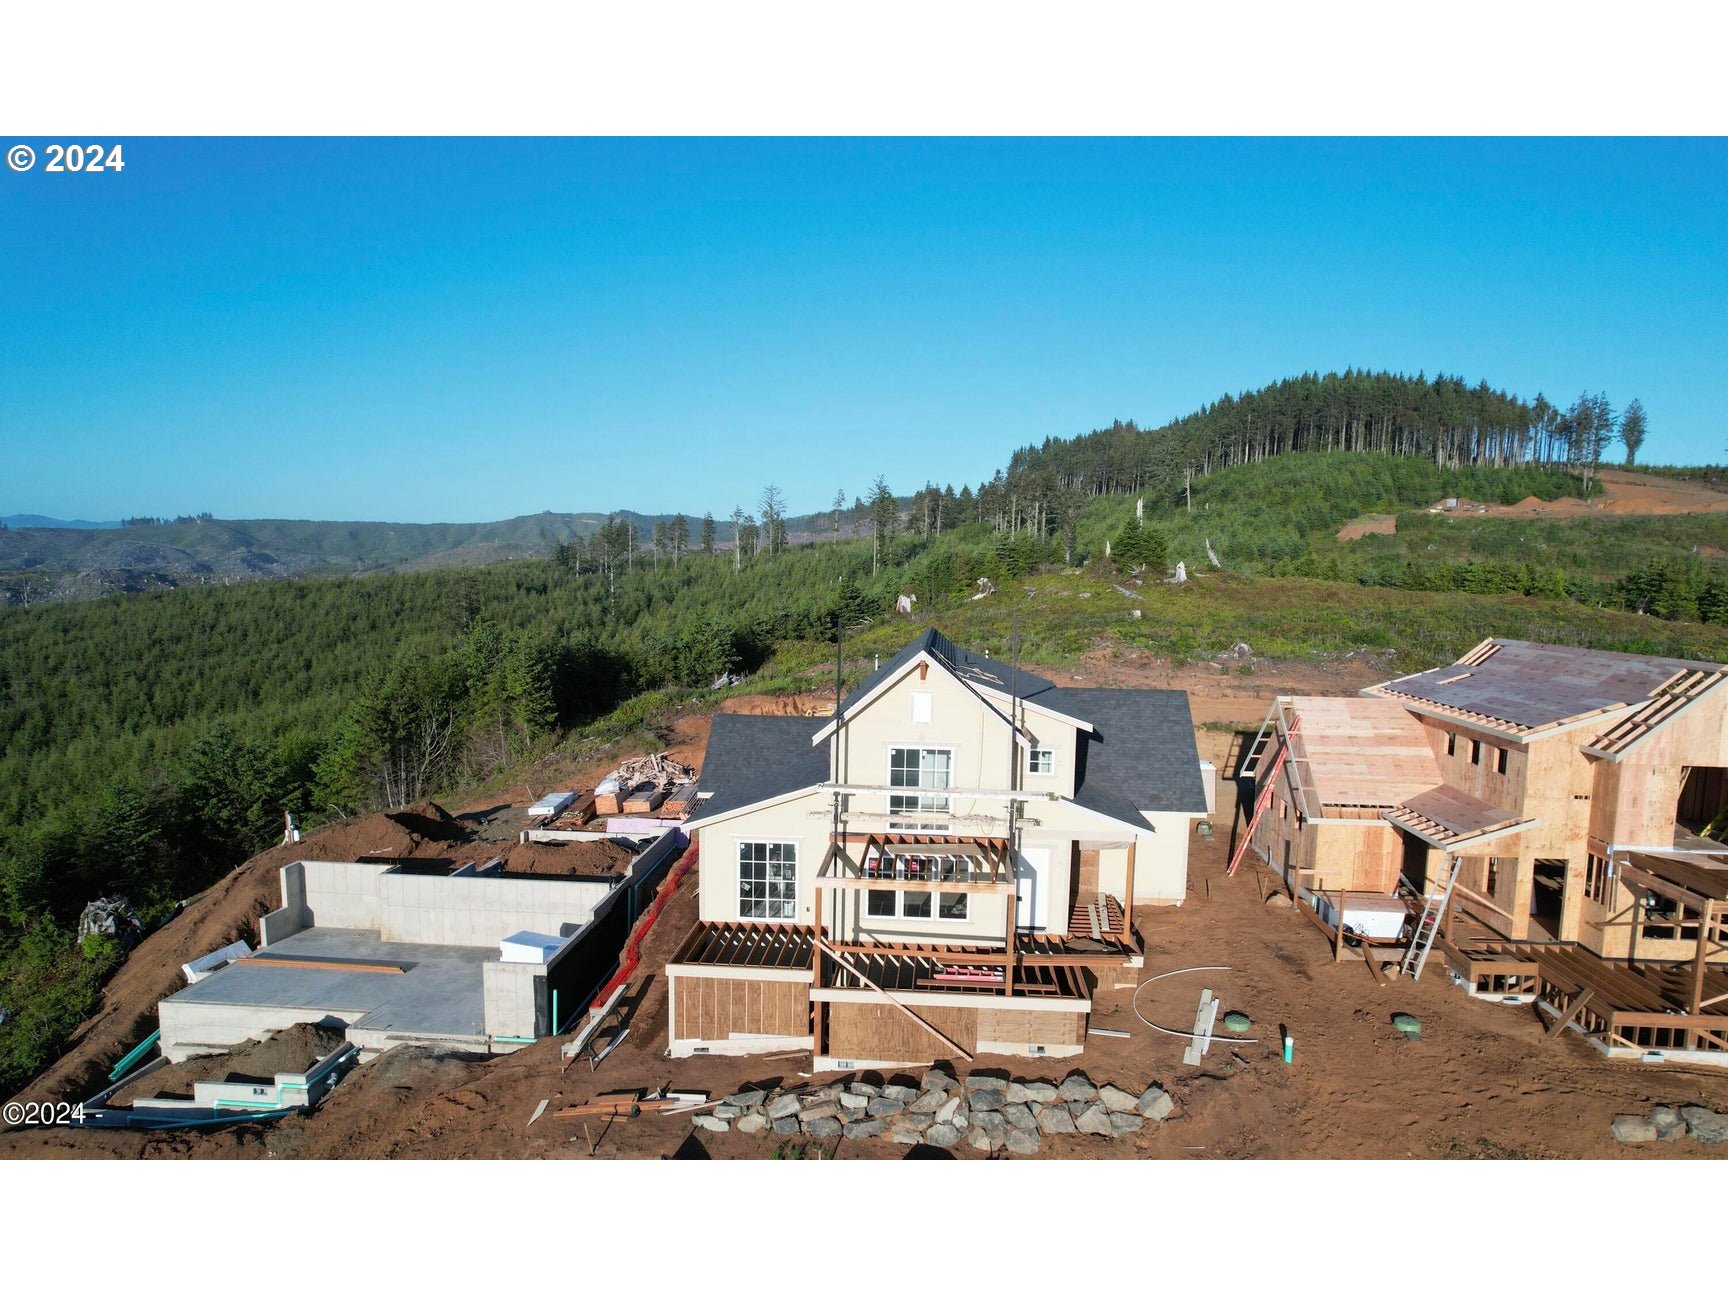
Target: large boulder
786, 1125
950, 1109
865, 1129
714, 1123
899, 1092
1670, 1124
864, 1090
1077, 1088
1021, 1116
1633, 1129
1125, 1123
1022, 1142
820, 1111
1031, 1091
886, 1106
930, 1100
747, 1098
1705, 1125
752, 1123
854, 1102
988, 1099
986, 1083
1055, 1120
1117, 1100
825, 1127
1155, 1104
1095, 1120
944, 1136
785, 1105
905, 1134
991, 1122
939, 1079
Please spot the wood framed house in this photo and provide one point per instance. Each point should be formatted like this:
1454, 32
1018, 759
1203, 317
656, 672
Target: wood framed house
1573, 787
948, 865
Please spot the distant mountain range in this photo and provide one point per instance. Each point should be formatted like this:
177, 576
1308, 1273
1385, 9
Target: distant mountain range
56, 524
44, 558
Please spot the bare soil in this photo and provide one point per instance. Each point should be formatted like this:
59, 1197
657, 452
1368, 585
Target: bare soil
294, 1050
1624, 494
1483, 1081
567, 859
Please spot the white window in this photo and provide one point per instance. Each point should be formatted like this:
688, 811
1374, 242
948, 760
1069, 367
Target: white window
767, 881
945, 906
1041, 760
923, 706
918, 767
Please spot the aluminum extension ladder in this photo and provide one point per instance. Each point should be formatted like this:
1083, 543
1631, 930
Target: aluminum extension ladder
1428, 925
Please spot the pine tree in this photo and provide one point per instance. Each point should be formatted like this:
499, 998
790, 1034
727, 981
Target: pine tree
1633, 429
708, 533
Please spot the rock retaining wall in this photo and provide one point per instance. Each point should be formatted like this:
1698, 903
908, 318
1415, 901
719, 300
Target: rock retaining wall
984, 1112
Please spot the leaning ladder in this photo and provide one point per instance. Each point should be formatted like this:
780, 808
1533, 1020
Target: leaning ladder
1268, 784
1428, 926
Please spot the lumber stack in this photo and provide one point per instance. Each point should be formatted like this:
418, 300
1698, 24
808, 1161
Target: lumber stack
681, 803
644, 798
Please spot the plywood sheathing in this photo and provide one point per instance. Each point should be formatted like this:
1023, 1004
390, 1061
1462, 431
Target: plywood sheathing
1357, 753
1448, 817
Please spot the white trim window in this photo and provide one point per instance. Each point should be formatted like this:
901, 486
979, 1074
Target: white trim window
767, 881
918, 767
1041, 760
922, 906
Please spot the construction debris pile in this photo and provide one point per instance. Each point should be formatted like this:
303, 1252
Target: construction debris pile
655, 788
1671, 1124
987, 1113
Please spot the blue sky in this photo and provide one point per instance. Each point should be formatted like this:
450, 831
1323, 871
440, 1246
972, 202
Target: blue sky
424, 330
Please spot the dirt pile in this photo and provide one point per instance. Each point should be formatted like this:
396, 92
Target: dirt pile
567, 859
294, 1050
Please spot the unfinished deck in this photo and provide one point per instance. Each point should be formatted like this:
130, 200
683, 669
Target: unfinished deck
1625, 1009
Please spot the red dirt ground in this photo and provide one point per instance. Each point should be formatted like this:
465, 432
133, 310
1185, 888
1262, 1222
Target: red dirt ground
1481, 1082
1624, 494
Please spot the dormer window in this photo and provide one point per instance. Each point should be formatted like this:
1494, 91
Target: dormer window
1041, 760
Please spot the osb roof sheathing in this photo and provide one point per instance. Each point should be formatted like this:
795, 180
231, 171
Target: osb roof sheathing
1366, 752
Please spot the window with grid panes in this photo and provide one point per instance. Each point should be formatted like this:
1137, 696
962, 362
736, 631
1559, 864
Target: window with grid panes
767, 880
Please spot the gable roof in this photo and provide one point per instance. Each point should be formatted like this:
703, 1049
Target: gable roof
753, 758
1522, 687
1140, 754
974, 668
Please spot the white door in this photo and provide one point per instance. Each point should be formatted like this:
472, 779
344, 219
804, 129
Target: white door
1032, 889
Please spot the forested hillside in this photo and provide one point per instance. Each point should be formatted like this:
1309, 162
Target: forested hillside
148, 742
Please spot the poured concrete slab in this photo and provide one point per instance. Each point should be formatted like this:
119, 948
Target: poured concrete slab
439, 995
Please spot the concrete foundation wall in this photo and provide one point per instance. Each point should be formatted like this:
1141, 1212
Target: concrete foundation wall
482, 910
280, 924
342, 894
191, 1029
508, 990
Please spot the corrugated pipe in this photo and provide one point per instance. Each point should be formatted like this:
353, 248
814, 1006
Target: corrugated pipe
632, 952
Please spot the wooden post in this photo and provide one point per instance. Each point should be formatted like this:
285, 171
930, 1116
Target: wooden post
1128, 899
816, 948
1013, 947
1696, 999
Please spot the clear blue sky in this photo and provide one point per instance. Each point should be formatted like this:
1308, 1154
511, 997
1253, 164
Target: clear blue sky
467, 330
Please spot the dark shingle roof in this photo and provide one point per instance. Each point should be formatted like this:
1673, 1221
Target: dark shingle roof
1532, 685
756, 758
1141, 753
974, 668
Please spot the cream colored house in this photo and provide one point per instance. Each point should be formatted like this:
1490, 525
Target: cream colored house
947, 865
